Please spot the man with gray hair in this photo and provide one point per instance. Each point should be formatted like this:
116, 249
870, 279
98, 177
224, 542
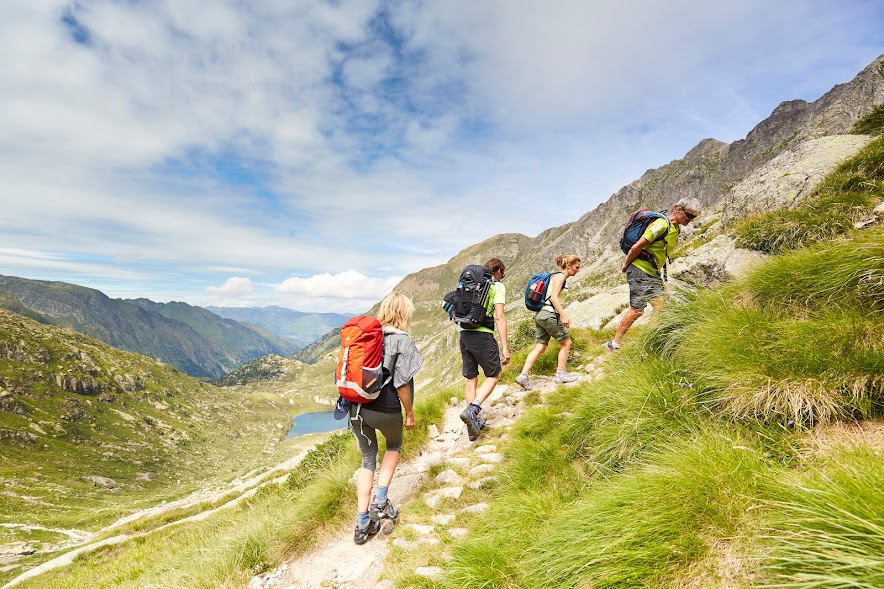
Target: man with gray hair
646, 258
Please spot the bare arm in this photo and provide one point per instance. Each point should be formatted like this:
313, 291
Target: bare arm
634, 251
500, 322
558, 281
404, 393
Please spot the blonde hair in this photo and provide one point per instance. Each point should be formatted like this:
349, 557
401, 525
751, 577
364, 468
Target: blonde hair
567, 260
396, 310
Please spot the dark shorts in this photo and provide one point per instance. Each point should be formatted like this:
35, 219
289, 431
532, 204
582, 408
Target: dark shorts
479, 348
643, 288
549, 324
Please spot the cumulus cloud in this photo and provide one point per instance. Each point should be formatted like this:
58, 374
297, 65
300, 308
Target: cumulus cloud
345, 285
234, 287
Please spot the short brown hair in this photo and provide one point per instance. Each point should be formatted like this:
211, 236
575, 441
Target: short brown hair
494, 265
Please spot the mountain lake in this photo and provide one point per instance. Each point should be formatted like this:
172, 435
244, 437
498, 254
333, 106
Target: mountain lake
315, 423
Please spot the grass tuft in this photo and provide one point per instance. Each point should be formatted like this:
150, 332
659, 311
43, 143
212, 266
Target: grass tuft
828, 532
872, 123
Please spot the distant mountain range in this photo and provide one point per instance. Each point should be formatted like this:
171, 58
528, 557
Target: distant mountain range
300, 328
189, 338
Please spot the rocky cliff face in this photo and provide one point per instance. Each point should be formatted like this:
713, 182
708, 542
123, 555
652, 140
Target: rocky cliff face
730, 180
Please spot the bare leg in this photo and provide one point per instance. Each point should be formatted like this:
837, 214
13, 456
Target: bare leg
564, 350
532, 357
388, 467
631, 316
485, 390
470, 393
364, 480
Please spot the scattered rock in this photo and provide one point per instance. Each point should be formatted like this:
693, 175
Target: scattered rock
460, 462
458, 532
105, 482
486, 449
448, 477
443, 519
491, 457
450, 492
422, 530
429, 572
478, 484
481, 469
475, 509
433, 431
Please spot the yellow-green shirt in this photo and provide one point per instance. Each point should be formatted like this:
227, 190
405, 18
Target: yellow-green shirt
656, 248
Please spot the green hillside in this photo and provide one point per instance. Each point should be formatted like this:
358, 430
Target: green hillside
192, 339
89, 433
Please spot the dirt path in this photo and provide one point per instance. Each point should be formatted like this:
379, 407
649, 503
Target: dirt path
341, 564
241, 489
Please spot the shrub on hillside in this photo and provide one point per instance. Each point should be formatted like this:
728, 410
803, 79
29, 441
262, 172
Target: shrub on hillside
872, 123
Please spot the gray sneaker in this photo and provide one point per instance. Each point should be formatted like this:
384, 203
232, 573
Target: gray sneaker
562, 376
522, 381
610, 347
383, 510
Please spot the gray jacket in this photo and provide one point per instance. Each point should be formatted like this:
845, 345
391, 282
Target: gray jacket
401, 358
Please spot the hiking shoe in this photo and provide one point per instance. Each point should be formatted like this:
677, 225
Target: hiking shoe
562, 376
364, 533
522, 381
385, 510
472, 420
610, 347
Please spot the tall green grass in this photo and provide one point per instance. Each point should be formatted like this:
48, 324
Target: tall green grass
798, 340
844, 197
827, 532
644, 527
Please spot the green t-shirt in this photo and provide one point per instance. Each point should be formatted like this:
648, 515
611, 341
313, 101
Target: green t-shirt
656, 248
496, 295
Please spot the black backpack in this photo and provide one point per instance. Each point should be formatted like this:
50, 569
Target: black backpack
467, 304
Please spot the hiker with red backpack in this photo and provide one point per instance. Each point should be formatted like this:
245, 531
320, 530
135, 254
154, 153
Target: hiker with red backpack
647, 241
550, 319
375, 397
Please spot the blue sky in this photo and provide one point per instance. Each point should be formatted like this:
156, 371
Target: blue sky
310, 154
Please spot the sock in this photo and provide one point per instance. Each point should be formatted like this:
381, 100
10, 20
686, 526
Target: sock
381, 495
362, 518
476, 407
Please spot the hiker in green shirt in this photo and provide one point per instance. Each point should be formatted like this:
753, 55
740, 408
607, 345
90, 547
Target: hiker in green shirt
643, 276
478, 348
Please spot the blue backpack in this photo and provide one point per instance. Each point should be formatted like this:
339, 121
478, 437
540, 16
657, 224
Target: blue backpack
535, 292
636, 227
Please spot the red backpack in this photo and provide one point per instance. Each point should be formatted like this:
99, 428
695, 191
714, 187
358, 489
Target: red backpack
359, 375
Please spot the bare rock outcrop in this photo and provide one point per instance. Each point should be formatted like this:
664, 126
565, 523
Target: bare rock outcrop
787, 179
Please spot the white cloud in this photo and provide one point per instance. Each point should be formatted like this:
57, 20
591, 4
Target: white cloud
345, 285
234, 287
189, 141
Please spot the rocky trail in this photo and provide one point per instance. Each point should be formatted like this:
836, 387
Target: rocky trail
340, 564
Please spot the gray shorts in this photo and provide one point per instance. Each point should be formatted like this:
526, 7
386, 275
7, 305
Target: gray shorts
549, 325
643, 287
479, 348
365, 428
